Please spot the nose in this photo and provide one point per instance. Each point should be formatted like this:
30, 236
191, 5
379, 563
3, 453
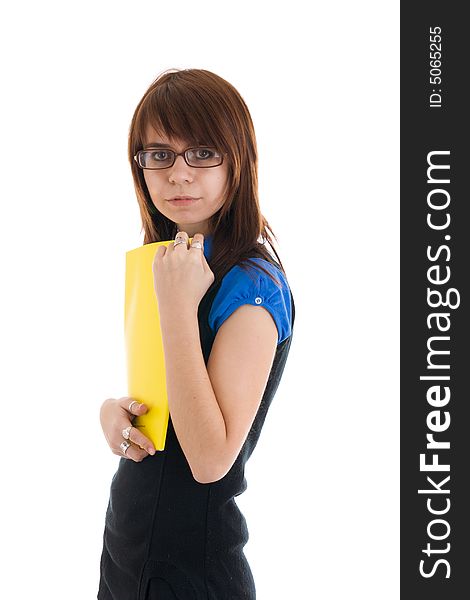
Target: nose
180, 171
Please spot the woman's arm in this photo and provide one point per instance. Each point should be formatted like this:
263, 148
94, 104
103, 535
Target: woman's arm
213, 408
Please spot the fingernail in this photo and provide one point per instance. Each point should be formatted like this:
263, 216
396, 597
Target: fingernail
151, 451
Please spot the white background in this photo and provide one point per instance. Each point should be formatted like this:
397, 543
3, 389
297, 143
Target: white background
321, 82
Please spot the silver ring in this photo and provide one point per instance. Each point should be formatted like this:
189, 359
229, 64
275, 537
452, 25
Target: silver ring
130, 405
124, 446
126, 432
196, 244
179, 241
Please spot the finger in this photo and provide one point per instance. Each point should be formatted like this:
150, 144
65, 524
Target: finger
139, 439
181, 235
132, 406
132, 453
160, 252
198, 237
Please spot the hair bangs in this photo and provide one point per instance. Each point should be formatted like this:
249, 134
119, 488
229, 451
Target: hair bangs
179, 114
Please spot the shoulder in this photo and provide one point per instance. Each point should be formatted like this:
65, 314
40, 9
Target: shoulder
249, 284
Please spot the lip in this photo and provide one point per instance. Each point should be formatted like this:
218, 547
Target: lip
182, 200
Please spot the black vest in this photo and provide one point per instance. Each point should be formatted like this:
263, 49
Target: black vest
161, 523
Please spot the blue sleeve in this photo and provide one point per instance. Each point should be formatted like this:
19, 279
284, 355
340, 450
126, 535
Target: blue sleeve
239, 287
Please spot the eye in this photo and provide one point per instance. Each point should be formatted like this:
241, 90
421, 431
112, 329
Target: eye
160, 155
204, 153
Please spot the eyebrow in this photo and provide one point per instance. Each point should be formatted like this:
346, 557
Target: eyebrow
157, 145
160, 145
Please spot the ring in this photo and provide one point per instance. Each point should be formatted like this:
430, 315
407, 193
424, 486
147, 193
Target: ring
179, 241
130, 405
126, 432
196, 244
124, 446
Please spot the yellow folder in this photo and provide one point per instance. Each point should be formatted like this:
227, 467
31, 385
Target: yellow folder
146, 376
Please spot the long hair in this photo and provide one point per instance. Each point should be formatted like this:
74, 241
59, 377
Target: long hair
195, 105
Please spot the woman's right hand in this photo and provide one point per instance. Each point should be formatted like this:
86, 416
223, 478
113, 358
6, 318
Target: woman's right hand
114, 417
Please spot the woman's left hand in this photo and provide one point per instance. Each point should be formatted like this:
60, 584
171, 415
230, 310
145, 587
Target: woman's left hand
181, 274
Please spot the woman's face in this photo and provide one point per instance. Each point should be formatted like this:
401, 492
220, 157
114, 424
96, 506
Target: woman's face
206, 184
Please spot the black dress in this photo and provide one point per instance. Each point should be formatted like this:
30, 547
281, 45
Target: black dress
168, 537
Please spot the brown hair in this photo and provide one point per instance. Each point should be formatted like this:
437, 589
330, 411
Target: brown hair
197, 105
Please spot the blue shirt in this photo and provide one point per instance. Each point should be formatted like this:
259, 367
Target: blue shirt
239, 287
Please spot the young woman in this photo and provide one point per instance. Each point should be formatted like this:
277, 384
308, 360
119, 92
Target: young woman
173, 529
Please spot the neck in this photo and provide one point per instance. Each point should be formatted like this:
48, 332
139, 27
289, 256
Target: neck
192, 229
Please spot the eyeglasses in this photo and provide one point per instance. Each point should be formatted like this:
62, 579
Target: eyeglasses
164, 158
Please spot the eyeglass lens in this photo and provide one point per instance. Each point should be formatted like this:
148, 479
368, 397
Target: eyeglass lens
164, 158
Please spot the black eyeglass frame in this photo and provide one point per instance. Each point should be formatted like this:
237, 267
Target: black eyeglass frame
176, 154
